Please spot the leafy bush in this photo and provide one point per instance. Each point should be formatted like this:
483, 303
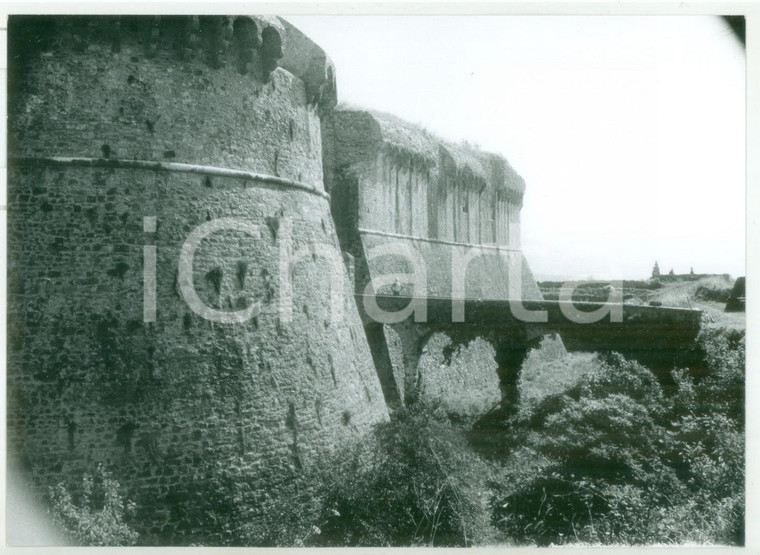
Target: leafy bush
415, 481
716, 294
98, 515
719, 376
708, 416
626, 464
600, 437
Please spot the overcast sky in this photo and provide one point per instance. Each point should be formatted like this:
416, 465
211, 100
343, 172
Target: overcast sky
629, 131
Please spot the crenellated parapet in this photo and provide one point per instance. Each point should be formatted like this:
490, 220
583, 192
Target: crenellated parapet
250, 43
304, 58
242, 92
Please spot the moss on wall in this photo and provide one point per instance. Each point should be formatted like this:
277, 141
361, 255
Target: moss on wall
163, 402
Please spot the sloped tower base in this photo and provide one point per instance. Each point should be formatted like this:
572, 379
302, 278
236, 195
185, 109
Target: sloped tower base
134, 133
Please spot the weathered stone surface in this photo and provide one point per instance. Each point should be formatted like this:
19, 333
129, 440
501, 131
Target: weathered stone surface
189, 120
89, 380
125, 106
445, 209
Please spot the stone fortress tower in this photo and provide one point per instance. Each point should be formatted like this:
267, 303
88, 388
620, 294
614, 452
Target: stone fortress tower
193, 239
195, 233
127, 137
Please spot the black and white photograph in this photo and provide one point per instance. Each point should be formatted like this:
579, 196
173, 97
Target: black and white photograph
380, 277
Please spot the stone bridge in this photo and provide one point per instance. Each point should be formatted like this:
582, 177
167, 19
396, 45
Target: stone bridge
657, 336
128, 134
425, 222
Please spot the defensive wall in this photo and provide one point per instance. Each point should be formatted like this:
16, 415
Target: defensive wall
394, 185
408, 205
130, 133
195, 235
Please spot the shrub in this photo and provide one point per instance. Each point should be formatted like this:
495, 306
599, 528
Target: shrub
601, 449
708, 417
414, 481
98, 517
625, 464
716, 294
633, 519
719, 383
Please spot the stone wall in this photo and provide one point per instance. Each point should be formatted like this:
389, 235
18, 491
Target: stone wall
410, 183
453, 207
221, 132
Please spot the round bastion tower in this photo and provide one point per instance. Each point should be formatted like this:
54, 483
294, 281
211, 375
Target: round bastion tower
178, 308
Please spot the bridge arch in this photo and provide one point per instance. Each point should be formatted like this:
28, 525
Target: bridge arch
468, 368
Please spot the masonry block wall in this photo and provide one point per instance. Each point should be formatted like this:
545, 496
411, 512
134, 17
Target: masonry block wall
393, 183
186, 120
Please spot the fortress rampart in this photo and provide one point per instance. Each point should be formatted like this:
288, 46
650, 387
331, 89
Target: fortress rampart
182, 121
396, 186
193, 239
392, 182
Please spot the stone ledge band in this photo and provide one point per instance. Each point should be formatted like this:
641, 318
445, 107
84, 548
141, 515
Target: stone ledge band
165, 166
379, 233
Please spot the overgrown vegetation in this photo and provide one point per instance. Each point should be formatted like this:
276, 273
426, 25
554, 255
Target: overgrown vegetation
415, 482
610, 459
621, 463
606, 457
715, 294
97, 515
